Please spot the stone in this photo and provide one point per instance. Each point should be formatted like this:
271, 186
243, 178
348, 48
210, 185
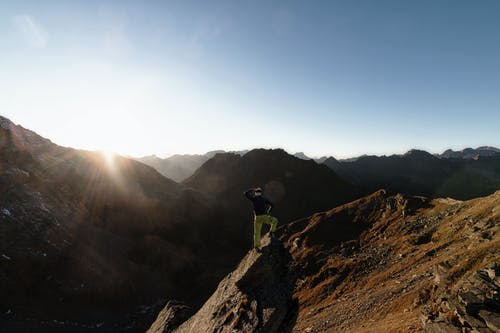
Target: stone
172, 315
491, 319
471, 321
471, 301
441, 327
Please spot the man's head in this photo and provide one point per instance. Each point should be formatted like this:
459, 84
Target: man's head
257, 191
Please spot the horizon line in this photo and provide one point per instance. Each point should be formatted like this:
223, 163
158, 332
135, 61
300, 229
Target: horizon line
288, 151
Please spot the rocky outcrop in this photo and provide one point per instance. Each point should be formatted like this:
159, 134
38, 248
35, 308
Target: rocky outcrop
471, 306
172, 315
255, 297
373, 264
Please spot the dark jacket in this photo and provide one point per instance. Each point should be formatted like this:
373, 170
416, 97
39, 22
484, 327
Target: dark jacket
261, 205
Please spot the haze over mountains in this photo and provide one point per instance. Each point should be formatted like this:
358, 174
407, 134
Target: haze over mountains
179, 167
96, 242
461, 174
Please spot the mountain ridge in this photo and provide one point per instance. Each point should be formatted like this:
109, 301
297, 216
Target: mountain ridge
179, 167
93, 238
385, 262
421, 173
283, 177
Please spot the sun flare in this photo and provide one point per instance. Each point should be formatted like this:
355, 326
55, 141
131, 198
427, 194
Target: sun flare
109, 157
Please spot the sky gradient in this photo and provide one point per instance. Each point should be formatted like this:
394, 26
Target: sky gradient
339, 78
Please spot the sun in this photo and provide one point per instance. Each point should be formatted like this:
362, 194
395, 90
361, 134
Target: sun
109, 157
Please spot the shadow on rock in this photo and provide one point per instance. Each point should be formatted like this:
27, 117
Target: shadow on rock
255, 297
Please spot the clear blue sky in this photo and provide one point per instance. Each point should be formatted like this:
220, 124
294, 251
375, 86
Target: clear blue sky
335, 78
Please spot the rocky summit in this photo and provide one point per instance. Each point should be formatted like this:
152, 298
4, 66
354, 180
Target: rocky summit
383, 263
255, 297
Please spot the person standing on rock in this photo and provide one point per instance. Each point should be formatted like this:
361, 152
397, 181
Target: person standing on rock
261, 209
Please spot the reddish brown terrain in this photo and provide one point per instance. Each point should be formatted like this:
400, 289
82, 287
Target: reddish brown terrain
411, 255
383, 263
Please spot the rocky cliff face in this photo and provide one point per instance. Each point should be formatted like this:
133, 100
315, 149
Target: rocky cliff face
471, 304
381, 263
172, 315
255, 297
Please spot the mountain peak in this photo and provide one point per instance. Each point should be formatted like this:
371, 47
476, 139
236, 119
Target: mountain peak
302, 156
5, 123
282, 176
20, 138
417, 153
470, 153
264, 152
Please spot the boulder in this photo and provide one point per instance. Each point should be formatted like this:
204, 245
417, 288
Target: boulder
256, 296
491, 319
172, 315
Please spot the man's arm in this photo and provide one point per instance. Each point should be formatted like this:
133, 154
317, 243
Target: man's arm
269, 205
248, 193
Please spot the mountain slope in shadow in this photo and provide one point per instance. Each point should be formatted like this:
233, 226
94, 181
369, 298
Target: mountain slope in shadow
86, 239
297, 187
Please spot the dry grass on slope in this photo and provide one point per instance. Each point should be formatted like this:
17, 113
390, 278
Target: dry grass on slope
375, 264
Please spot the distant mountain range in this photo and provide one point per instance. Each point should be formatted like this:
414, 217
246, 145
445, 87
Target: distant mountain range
420, 173
471, 153
177, 167
180, 167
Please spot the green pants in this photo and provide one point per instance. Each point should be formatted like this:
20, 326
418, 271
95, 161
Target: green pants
258, 221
